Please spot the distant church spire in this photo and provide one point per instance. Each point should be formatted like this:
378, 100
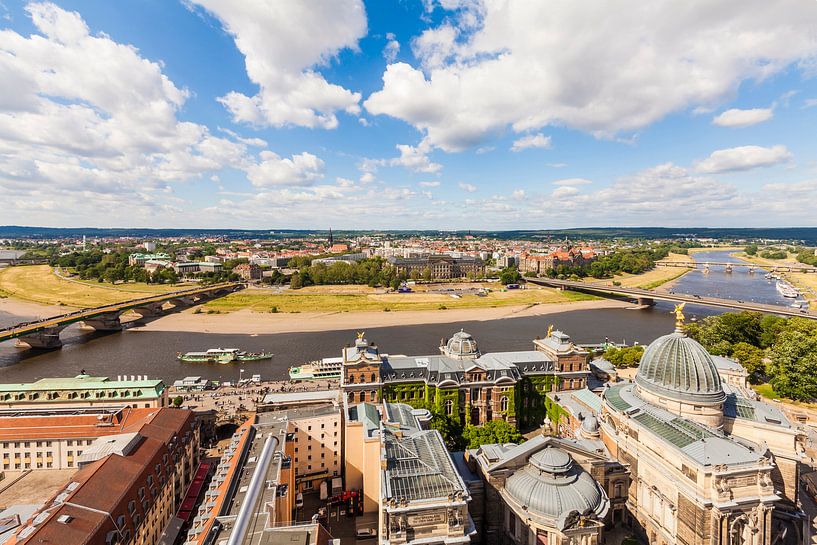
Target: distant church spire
331, 238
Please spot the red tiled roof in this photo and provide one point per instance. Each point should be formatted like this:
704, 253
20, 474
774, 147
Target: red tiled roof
24, 428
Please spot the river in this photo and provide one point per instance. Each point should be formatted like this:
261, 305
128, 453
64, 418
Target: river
134, 352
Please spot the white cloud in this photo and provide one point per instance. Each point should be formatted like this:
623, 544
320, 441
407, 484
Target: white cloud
810, 103
519, 194
743, 158
556, 165
564, 191
505, 64
415, 158
344, 182
392, 48
91, 124
531, 141
429, 184
470, 188
743, 118
367, 178
572, 182
256, 142
283, 43
300, 170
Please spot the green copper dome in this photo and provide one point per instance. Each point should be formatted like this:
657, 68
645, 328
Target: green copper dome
679, 368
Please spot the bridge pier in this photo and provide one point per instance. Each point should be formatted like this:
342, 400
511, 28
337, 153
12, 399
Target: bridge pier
645, 301
183, 301
108, 321
147, 311
45, 339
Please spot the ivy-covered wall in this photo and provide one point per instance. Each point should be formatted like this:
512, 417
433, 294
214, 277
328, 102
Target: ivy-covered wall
405, 392
423, 396
531, 400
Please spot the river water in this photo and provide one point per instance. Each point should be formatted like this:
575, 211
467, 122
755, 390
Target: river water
134, 352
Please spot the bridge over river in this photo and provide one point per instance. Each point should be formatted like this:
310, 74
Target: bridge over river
648, 297
45, 333
730, 265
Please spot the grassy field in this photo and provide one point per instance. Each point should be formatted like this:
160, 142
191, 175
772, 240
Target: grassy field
767, 391
38, 283
360, 298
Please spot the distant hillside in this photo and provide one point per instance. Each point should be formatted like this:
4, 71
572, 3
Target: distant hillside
806, 234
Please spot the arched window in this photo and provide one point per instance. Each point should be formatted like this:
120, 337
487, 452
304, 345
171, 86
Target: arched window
351, 378
449, 407
503, 403
374, 377
373, 396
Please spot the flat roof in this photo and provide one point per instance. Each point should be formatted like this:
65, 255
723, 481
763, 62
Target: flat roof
300, 397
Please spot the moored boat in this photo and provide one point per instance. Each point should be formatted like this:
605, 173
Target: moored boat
324, 369
787, 290
223, 355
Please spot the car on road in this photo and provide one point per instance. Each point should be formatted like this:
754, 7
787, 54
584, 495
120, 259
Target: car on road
366, 533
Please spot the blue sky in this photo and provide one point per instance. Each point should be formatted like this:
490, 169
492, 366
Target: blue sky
408, 114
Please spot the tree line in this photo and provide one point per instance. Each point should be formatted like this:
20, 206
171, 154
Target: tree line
782, 351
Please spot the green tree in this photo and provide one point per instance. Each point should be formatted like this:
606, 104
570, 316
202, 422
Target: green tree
450, 429
177, 401
629, 356
751, 249
509, 275
495, 431
750, 357
793, 365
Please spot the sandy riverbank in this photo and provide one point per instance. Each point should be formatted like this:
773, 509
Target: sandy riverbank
245, 321
19, 307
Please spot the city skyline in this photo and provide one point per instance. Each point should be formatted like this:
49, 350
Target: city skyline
407, 115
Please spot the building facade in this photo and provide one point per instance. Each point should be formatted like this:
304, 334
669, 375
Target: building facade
708, 465
439, 267
463, 383
127, 496
407, 476
55, 439
546, 490
84, 391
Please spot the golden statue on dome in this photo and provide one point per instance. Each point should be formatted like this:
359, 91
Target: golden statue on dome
679, 316
360, 335
550, 329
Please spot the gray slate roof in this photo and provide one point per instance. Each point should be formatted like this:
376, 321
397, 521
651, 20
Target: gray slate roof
699, 443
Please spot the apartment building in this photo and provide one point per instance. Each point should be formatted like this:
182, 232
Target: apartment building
127, 491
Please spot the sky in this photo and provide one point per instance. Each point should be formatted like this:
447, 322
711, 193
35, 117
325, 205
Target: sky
408, 114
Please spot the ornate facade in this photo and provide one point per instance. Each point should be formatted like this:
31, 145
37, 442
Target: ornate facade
709, 466
464, 383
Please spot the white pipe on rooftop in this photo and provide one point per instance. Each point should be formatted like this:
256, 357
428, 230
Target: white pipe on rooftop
254, 490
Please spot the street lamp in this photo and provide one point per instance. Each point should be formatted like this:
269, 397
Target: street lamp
240, 374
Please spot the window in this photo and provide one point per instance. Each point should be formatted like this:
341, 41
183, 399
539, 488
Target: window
351, 379
449, 407
503, 403
374, 377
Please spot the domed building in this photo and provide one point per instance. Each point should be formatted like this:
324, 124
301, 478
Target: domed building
460, 346
678, 374
709, 465
546, 490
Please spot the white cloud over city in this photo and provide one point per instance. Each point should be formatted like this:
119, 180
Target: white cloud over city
479, 117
